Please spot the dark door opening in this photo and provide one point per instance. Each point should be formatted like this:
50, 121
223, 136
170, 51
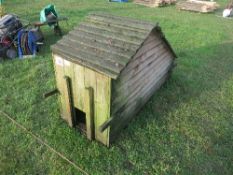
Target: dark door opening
81, 120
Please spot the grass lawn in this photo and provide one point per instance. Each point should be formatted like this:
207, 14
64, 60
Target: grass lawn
186, 127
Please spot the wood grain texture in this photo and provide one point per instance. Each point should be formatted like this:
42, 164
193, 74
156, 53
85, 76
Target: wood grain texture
106, 39
118, 27
102, 107
137, 89
102, 50
124, 32
90, 86
128, 113
91, 92
70, 101
198, 6
78, 86
102, 92
122, 21
139, 72
143, 75
62, 87
68, 68
154, 3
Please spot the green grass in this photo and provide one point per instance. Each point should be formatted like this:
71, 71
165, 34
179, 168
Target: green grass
186, 127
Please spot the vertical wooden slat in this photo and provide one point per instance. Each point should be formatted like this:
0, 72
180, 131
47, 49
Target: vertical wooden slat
103, 106
68, 68
79, 87
61, 85
70, 101
90, 86
100, 85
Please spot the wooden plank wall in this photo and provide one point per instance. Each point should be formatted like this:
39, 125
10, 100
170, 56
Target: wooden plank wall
84, 81
145, 73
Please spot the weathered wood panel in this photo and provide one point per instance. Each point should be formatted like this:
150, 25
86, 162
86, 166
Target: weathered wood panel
69, 94
137, 89
102, 92
139, 66
143, 60
78, 86
125, 90
155, 3
122, 21
130, 39
61, 85
105, 39
91, 92
59, 74
153, 37
116, 30
103, 106
148, 50
96, 48
90, 84
128, 113
198, 6
139, 72
144, 74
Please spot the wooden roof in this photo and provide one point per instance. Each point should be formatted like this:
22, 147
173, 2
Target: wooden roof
105, 43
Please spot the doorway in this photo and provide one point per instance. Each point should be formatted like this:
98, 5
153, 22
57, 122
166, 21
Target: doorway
80, 117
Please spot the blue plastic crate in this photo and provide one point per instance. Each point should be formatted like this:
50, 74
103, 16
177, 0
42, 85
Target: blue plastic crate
118, 0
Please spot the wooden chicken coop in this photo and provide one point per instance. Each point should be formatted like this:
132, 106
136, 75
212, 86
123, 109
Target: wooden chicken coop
106, 69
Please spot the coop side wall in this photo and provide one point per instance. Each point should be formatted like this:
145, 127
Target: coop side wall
145, 73
84, 79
